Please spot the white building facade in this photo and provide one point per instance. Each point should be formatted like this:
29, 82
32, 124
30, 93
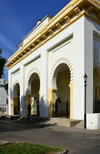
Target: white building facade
46, 72
3, 97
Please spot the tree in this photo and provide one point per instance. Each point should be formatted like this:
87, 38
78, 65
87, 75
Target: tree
2, 63
6, 87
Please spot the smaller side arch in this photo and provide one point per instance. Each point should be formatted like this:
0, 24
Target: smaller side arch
14, 91
57, 63
15, 108
33, 70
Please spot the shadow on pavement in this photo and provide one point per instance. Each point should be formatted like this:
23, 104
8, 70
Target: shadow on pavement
7, 125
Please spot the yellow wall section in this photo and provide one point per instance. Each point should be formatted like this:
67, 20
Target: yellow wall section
51, 101
14, 105
62, 92
63, 80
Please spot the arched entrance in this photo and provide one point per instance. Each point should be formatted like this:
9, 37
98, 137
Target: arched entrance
33, 96
60, 96
16, 99
62, 103
96, 90
62, 106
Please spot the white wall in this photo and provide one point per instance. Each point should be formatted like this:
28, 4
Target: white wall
93, 121
44, 80
3, 96
90, 28
78, 65
88, 67
80, 54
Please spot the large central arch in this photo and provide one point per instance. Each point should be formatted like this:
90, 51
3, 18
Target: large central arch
61, 91
53, 75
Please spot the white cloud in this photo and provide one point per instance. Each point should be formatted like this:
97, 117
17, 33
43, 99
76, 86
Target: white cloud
6, 43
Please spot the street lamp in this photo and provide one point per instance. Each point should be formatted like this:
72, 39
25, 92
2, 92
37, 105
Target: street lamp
85, 81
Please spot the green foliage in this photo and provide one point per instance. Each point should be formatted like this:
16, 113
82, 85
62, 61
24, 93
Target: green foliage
27, 148
2, 63
0, 51
6, 87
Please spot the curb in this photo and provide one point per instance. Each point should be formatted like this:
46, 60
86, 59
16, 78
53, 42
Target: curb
67, 129
4, 142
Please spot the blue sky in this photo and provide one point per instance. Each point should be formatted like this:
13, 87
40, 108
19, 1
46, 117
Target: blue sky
18, 17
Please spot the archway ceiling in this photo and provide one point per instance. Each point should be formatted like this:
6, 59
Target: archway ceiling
35, 77
63, 67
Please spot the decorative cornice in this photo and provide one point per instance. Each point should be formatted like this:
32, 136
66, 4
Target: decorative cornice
96, 2
98, 16
69, 14
51, 32
44, 36
58, 26
77, 11
67, 19
89, 9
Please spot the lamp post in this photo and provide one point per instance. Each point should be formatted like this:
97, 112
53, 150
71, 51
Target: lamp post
85, 81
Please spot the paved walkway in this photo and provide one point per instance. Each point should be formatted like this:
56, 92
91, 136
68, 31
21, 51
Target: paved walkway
61, 128
73, 129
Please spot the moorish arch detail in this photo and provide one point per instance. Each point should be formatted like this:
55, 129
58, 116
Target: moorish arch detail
15, 83
33, 70
57, 63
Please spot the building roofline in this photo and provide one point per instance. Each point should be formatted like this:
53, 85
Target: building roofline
41, 21
75, 7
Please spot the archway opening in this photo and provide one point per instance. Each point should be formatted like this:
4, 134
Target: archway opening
34, 86
96, 91
17, 99
62, 103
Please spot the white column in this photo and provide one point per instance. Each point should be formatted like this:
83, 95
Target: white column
83, 63
22, 89
88, 64
78, 66
43, 90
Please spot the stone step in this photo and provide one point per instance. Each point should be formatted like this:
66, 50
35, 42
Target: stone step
46, 121
62, 122
32, 119
80, 124
14, 117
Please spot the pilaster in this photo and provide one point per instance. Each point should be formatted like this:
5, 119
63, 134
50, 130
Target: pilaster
51, 102
71, 100
88, 64
27, 103
22, 87
43, 90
